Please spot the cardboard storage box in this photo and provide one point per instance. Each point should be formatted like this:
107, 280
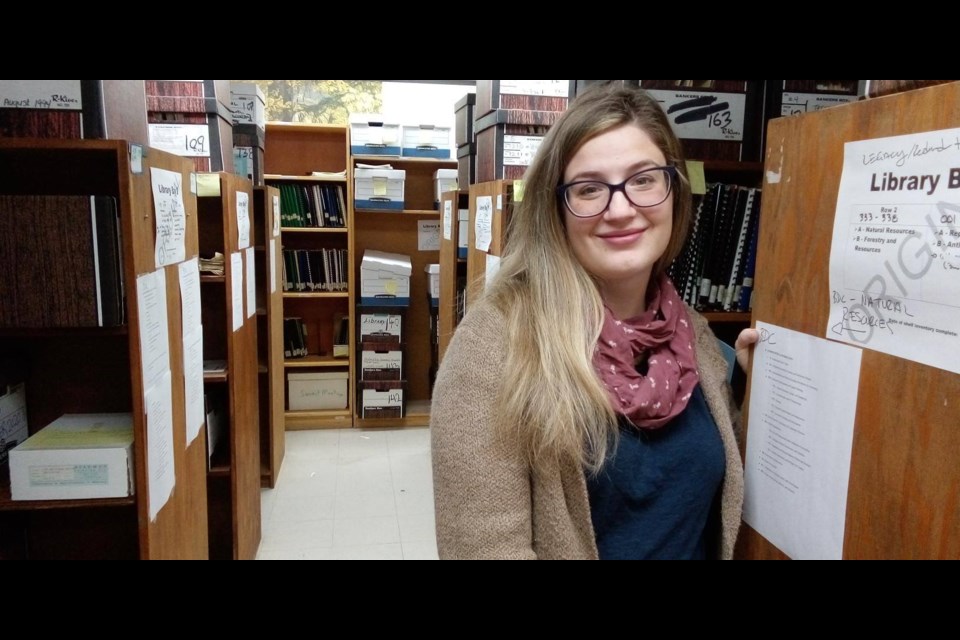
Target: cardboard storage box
464, 116
385, 278
381, 398
379, 189
443, 180
433, 283
248, 104
384, 325
317, 390
77, 456
426, 141
381, 361
529, 95
370, 134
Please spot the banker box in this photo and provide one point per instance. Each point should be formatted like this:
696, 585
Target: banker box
381, 326
463, 119
443, 180
76, 457
529, 95
370, 134
385, 278
248, 104
379, 189
508, 140
426, 141
381, 398
313, 391
463, 232
381, 361
433, 283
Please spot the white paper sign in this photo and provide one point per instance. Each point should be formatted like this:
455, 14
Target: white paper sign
803, 402
276, 216
40, 94
251, 282
170, 214
273, 265
193, 381
447, 219
158, 400
243, 219
236, 288
895, 257
190, 140
483, 225
492, 268
428, 235
153, 325
190, 295
703, 115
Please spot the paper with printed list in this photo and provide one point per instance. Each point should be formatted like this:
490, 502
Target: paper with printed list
895, 257
803, 402
483, 225
158, 400
170, 215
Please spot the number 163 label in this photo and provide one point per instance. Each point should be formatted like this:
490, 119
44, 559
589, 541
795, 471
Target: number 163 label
704, 115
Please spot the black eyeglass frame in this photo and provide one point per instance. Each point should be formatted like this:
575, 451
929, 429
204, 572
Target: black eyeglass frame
670, 169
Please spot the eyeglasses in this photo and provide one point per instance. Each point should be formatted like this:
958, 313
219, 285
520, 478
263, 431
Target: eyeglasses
647, 188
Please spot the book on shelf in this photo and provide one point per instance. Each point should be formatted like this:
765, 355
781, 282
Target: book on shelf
212, 265
61, 258
214, 366
77, 456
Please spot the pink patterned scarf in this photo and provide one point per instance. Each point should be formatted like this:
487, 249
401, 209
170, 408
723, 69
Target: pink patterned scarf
663, 334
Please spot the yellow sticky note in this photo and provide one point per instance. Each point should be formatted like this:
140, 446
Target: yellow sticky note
208, 184
517, 190
379, 186
390, 286
698, 183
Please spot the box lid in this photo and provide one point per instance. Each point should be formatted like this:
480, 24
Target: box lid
82, 431
318, 375
395, 263
247, 89
445, 174
516, 116
432, 268
389, 174
470, 98
372, 119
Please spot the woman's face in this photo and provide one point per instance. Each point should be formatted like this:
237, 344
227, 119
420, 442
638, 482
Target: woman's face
620, 245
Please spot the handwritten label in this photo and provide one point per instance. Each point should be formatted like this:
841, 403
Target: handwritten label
428, 235
555, 88
374, 360
189, 140
518, 151
170, 216
702, 115
243, 162
373, 399
243, 219
483, 224
895, 252
380, 323
247, 109
41, 94
794, 104
447, 219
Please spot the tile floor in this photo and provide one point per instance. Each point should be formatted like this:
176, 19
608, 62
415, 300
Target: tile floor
350, 494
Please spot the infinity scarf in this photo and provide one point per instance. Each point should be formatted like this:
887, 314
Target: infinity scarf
664, 335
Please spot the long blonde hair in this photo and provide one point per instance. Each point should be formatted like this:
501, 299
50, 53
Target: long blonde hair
551, 399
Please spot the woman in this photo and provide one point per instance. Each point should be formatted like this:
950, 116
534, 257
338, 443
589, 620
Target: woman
581, 409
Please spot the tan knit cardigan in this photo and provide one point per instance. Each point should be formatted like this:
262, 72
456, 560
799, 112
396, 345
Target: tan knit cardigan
490, 503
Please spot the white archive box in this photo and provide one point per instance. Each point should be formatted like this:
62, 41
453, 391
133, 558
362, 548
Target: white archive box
77, 456
433, 283
317, 390
427, 141
443, 180
385, 278
371, 134
378, 188
247, 104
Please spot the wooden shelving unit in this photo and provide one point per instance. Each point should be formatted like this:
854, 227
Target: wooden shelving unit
98, 370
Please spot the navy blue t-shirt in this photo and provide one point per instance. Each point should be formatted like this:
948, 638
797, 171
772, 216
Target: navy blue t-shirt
655, 497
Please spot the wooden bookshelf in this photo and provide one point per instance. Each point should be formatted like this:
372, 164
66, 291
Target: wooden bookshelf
292, 152
453, 269
92, 370
233, 498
